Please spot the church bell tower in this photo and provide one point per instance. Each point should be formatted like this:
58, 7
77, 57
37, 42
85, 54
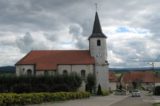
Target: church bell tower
98, 49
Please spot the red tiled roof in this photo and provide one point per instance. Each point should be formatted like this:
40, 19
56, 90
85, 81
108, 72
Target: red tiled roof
147, 77
49, 59
112, 77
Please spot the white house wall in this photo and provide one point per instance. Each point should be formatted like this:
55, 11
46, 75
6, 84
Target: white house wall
113, 85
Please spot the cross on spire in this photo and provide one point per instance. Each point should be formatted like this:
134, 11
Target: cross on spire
96, 6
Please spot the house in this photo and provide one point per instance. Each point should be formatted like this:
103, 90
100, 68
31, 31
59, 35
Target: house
83, 62
145, 79
113, 80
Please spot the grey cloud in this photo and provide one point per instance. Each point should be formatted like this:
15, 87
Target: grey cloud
77, 31
51, 36
134, 52
27, 43
51, 16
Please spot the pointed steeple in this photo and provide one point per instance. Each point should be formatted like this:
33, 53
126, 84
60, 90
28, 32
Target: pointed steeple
97, 31
97, 25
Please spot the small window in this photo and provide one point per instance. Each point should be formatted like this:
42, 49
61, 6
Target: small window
65, 72
98, 43
83, 74
29, 72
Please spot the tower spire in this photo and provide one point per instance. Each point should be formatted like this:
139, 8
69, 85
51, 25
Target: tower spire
97, 31
97, 25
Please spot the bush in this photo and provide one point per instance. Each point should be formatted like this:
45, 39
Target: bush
12, 99
26, 84
156, 104
157, 90
99, 91
91, 83
105, 93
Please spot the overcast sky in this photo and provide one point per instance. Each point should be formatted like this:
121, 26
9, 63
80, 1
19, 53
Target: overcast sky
132, 28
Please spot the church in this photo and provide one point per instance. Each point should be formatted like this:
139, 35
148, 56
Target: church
83, 62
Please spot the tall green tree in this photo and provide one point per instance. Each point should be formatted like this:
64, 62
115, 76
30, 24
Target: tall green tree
91, 83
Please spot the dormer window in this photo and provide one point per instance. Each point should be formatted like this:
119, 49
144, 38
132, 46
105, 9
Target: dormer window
98, 43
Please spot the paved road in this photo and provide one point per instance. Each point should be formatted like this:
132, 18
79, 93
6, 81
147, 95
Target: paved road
135, 101
132, 102
92, 101
111, 100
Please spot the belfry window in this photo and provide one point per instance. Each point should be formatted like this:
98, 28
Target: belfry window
98, 43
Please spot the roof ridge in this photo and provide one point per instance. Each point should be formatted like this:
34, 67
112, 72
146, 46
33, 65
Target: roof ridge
24, 57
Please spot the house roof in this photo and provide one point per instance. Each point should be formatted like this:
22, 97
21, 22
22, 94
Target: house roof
112, 77
97, 30
50, 59
146, 77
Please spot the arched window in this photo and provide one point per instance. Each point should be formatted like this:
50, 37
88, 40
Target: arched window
65, 72
29, 72
98, 43
83, 74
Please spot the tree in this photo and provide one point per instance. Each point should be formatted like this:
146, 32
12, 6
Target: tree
120, 87
99, 91
134, 83
157, 91
91, 82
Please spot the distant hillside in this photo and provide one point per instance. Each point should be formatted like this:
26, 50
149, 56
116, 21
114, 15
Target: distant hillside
7, 69
134, 69
11, 69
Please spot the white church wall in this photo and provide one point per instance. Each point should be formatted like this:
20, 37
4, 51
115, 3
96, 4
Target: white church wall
102, 77
45, 72
75, 68
101, 67
39, 73
61, 68
22, 69
99, 52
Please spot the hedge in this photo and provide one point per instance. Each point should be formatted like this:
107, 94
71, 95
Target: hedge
157, 91
14, 99
28, 84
